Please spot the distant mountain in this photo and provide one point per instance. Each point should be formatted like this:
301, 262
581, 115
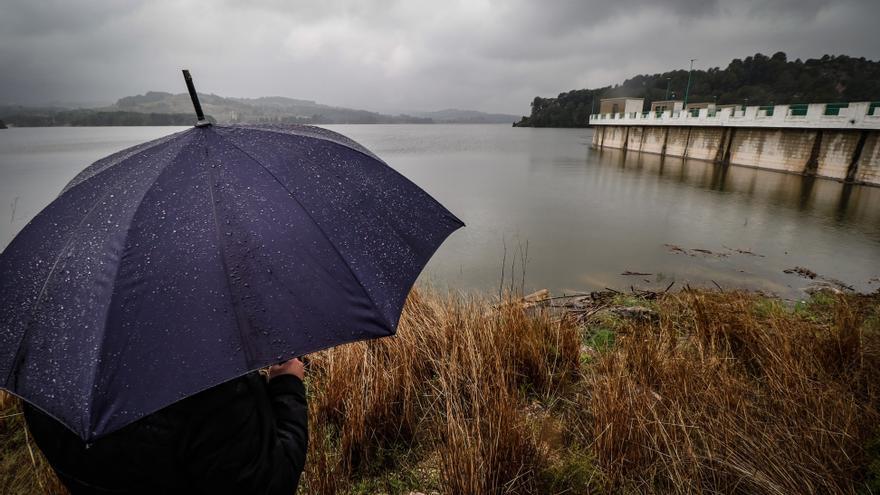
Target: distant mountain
455, 116
270, 109
19, 116
154, 107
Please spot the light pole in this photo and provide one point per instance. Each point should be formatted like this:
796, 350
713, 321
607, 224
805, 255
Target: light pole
668, 82
688, 89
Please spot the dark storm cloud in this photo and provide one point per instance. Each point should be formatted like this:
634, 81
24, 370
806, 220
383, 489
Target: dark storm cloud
798, 9
562, 16
45, 17
395, 55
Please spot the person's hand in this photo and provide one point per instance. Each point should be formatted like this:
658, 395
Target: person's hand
293, 367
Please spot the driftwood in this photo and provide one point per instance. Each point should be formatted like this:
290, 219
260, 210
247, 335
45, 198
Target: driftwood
582, 307
803, 272
822, 282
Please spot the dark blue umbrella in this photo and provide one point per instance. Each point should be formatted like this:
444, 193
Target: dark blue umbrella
176, 265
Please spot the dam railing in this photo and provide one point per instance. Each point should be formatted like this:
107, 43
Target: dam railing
858, 115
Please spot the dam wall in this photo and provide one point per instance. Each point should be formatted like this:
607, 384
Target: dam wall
844, 148
654, 139
786, 150
677, 141
868, 168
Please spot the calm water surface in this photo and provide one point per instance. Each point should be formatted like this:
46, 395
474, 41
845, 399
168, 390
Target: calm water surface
579, 217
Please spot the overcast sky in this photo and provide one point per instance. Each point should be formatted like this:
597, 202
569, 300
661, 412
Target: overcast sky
393, 56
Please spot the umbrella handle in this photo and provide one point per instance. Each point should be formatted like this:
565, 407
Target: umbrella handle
307, 363
195, 99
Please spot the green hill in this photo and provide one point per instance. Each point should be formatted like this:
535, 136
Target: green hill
757, 80
455, 116
257, 110
161, 108
29, 117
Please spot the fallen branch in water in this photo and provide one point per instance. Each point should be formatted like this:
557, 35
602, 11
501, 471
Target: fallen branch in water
637, 274
803, 272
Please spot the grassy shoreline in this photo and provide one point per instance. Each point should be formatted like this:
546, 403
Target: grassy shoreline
690, 391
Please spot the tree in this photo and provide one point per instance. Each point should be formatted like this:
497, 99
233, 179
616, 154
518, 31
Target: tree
761, 79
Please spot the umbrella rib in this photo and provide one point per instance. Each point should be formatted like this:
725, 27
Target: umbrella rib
341, 142
17, 358
360, 189
106, 318
121, 156
351, 147
362, 151
318, 226
42, 293
240, 319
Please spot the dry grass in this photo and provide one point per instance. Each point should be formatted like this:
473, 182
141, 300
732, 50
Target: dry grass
450, 388
735, 393
23, 470
724, 392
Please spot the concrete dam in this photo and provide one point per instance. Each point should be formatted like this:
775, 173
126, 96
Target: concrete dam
834, 141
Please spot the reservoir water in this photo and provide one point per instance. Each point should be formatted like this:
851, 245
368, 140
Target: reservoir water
580, 219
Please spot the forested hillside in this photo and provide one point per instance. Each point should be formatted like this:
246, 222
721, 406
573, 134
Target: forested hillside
757, 80
160, 108
35, 117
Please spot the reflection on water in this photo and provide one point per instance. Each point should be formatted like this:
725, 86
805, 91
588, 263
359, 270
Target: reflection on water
590, 215
587, 215
845, 203
784, 219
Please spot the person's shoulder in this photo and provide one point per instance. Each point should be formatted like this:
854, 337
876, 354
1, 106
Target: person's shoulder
43, 425
166, 423
222, 395
286, 384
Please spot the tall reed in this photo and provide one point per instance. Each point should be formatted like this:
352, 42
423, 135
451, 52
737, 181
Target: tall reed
713, 393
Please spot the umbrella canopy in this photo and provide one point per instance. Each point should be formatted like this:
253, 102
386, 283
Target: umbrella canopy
176, 265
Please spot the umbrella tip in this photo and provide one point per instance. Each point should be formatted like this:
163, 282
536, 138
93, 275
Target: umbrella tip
195, 99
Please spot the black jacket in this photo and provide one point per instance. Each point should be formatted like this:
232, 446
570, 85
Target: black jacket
244, 436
